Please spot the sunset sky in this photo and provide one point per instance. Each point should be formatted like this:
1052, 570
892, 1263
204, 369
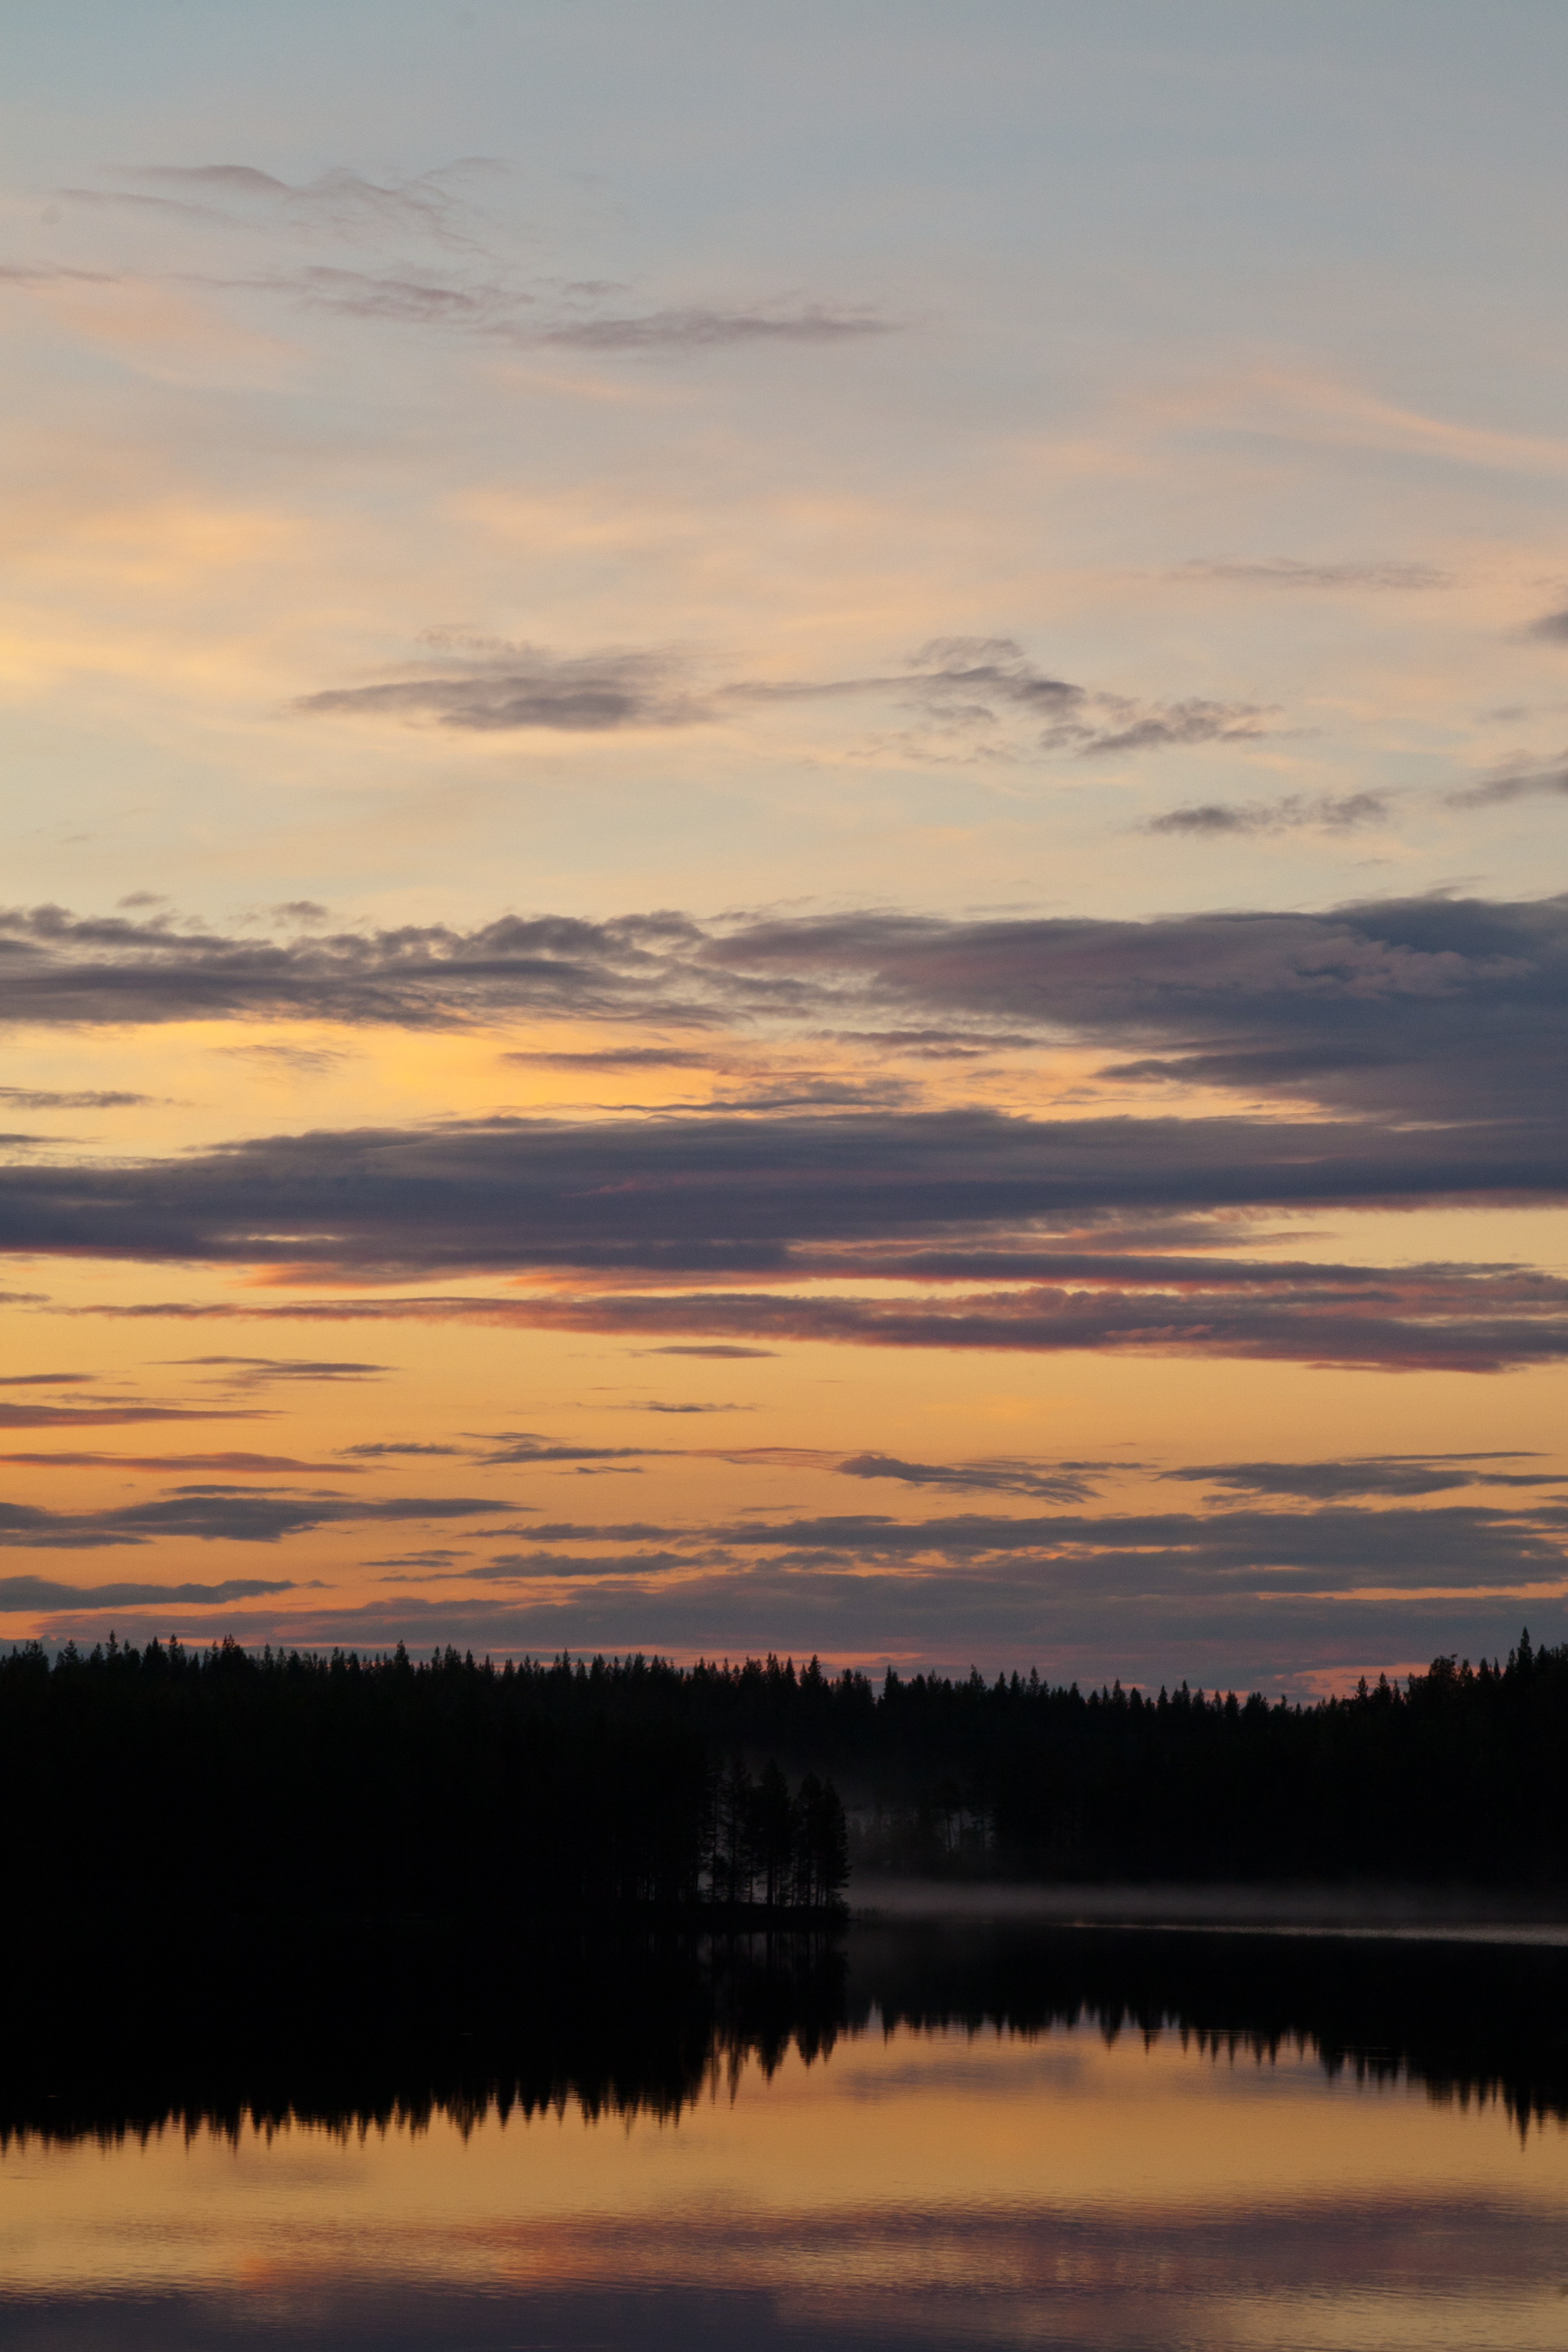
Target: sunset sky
786, 829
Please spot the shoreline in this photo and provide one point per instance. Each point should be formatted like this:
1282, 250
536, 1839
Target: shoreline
1403, 1913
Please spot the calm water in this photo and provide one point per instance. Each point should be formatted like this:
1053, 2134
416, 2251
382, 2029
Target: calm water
924, 2139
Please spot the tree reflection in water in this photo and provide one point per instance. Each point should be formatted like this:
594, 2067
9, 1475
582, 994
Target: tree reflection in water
391, 2024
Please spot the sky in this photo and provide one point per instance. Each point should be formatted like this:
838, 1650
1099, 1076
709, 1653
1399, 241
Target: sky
785, 807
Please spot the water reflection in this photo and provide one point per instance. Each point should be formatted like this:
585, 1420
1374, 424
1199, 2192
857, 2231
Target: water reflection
359, 2027
907, 2137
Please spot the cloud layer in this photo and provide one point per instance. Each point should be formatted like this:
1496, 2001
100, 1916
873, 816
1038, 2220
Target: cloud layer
1446, 1008
958, 690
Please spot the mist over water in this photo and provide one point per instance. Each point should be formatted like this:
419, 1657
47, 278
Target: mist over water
919, 2133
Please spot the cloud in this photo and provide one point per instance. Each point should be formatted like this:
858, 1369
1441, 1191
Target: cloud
47, 274
522, 1566
342, 202
61, 968
228, 179
1223, 1597
1217, 1594
1291, 571
956, 684
1390, 1323
384, 1450
1174, 724
1553, 627
526, 687
1418, 1045
979, 670
213, 1513
720, 1354
1298, 811
1063, 1482
705, 327
960, 680
930, 1044
247, 1463
432, 1558
107, 1413
1423, 1007
1513, 785
1378, 1475
657, 1407
287, 1062
25, 1594
39, 1098
418, 250
407, 301
705, 1197
1117, 1558
543, 315
615, 1057
1433, 1318
521, 1447
1057, 1482
260, 1371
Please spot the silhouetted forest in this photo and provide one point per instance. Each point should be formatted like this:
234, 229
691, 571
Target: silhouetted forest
175, 1778
168, 1779
370, 2027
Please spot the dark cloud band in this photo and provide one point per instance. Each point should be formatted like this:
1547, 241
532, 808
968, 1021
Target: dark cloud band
1455, 1010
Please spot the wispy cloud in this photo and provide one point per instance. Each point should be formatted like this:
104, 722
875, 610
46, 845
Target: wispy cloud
1295, 572
1296, 812
24, 1595
109, 1412
705, 328
100, 1099
1388, 1474
262, 1371
215, 1513
392, 1449
614, 1057
1435, 1318
243, 1463
521, 687
435, 207
1513, 784
958, 686
42, 276
519, 1447
430, 251
994, 1474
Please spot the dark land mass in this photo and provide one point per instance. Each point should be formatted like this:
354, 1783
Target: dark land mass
173, 1782
389, 2025
359, 1893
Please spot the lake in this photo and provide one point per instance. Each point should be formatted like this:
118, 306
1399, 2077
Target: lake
917, 2135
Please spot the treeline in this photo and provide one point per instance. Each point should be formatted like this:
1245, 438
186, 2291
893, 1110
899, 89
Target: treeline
1454, 1776
395, 2026
168, 1779
160, 1775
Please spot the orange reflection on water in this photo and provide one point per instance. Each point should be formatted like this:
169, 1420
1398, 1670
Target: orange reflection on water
915, 2186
